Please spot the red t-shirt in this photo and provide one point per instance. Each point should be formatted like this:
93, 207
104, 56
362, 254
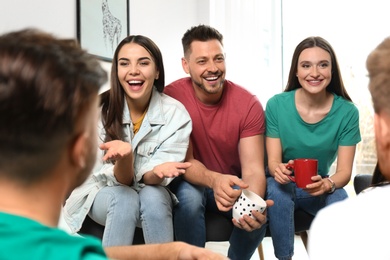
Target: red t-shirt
217, 129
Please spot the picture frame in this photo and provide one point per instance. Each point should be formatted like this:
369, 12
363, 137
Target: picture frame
101, 25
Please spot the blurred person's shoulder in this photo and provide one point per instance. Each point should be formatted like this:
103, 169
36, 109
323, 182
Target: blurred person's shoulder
366, 214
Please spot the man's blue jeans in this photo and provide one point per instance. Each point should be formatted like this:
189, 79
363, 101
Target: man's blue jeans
287, 198
189, 220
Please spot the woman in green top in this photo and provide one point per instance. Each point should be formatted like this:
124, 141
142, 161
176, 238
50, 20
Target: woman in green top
313, 118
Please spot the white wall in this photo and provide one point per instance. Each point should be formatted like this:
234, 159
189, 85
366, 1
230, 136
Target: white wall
251, 32
353, 28
163, 21
252, 40
55, 16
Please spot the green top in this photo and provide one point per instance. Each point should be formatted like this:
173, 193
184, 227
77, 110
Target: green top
340, 127
23, 238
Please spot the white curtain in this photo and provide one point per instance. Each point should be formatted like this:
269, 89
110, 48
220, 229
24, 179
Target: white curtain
252, 40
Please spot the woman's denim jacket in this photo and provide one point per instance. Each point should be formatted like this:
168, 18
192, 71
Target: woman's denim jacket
162, 137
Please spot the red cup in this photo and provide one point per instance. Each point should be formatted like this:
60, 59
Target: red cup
303, 170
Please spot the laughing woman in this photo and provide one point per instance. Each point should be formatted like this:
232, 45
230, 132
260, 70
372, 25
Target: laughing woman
144, 137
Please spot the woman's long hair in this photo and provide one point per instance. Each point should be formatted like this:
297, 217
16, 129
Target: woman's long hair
113, 100
336, 85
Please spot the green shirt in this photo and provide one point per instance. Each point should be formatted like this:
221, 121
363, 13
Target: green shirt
340, 127
23, 238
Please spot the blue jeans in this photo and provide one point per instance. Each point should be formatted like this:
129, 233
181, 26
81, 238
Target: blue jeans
156, 214
116, 208
120, 209
287, 198
189, 220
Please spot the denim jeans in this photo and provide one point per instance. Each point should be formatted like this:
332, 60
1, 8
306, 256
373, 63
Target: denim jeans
156, 214
121, 209
287, 198
189, 221
116, 208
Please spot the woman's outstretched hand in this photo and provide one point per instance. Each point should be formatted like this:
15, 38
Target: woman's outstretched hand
170, 169
116, 150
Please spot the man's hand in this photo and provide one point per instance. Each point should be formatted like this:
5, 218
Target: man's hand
169, 251
189, 252
249, 224
224, 194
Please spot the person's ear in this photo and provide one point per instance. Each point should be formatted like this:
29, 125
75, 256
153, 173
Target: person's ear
78, 150
382, 130
184, 64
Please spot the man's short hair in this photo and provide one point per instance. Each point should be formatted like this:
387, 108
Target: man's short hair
201, 33
378, 66
45, 84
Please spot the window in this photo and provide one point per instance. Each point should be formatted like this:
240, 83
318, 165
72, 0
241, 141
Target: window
252, 40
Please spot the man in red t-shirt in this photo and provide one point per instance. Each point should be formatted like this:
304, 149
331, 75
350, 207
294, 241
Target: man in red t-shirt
226, 148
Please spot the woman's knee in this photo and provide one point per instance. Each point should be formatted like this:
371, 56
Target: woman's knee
114, 199
125, 191
123, 197
155, 203
154, 195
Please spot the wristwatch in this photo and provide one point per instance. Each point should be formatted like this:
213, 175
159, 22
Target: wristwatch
332, 185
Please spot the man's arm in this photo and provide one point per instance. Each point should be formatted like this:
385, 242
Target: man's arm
251, 150
169, 251
253, 173
198, 174
222, 184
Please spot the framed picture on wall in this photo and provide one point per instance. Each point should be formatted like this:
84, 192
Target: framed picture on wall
101, 25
